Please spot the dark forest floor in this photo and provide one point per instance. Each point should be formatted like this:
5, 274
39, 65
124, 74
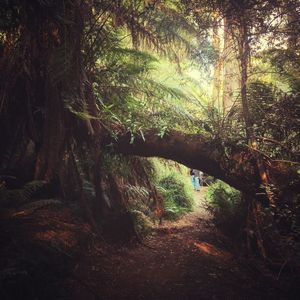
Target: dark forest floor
186, 259
49, 253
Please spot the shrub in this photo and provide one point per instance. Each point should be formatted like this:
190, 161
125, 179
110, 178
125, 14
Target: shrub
227, 207
177, 197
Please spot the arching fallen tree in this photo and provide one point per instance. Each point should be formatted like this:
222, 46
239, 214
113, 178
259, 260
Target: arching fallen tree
234, 164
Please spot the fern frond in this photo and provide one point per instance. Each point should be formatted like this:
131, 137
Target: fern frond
41, 203
20, 196
136, 191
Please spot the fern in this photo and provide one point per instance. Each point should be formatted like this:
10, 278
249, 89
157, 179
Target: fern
41, 203
134, 191
16, 197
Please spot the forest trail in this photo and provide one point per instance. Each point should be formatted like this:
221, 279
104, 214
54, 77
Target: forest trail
186, 259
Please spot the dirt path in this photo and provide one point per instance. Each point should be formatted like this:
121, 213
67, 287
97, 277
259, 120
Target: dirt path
189, 260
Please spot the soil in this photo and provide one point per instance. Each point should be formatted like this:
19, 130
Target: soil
185, 259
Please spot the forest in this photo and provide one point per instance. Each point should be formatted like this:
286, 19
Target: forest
107, 106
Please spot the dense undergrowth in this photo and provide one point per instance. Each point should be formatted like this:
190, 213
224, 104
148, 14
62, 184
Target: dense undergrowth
227, 207
149, 190
176, 199
133, 188
230, 214
137, 193
175, 188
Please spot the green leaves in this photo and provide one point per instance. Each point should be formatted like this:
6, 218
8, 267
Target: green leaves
176, 200
162, 131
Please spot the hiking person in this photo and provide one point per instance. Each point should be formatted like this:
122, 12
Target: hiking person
195, 179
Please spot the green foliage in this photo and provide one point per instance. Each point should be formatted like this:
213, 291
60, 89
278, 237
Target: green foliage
116, 164
177, 199
130, 79
276, 118
135, 89
133, 178
142, 222
20, 196
287, 64
227, 207
137, 191
140, 201
173, 184
42, 203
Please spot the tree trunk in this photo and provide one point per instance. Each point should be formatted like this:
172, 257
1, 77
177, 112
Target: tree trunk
217, 88
231, 74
